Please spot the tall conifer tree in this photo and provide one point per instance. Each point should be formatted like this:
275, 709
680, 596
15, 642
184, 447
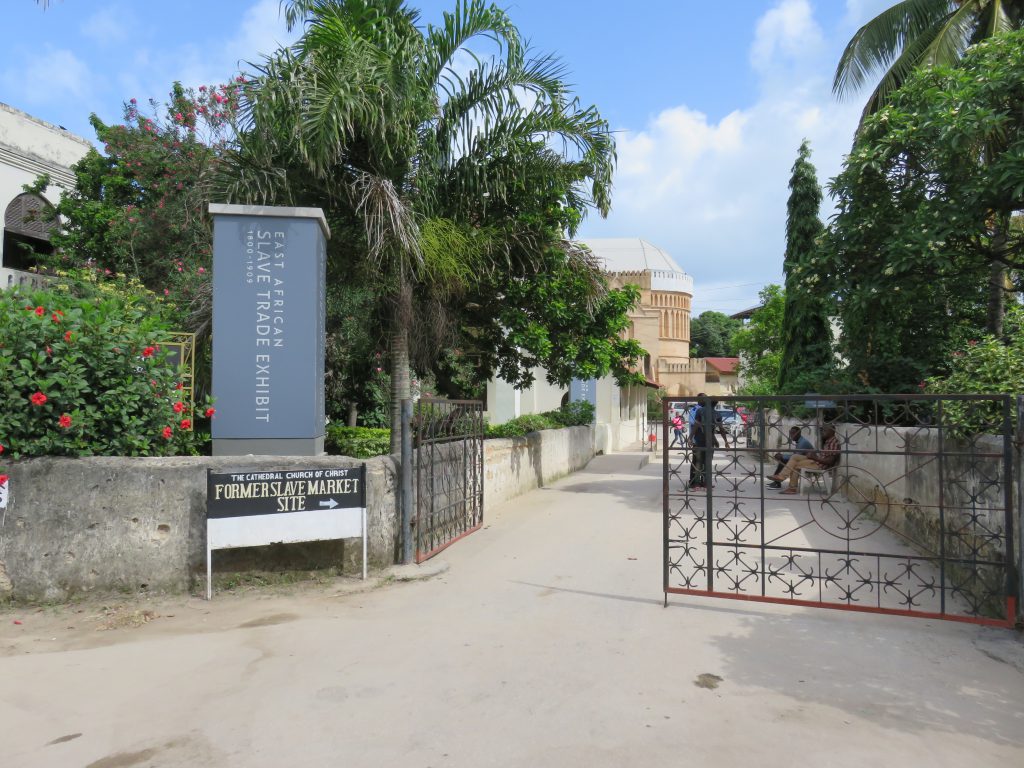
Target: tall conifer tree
806, 333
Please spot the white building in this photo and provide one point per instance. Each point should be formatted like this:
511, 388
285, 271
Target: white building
619, 413
30, 147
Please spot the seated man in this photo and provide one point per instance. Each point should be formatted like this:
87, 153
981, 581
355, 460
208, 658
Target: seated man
826, 458
801, 445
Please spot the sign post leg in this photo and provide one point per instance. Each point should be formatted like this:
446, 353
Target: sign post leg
364, 543
209, 572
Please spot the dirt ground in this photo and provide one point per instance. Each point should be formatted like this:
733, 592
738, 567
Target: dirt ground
95, 621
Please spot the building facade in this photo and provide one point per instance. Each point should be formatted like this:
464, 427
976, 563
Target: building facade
30, 147
661, 321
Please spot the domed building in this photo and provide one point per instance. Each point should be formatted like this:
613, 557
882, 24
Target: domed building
661, 321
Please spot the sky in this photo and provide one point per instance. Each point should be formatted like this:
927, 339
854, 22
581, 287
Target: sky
709, 101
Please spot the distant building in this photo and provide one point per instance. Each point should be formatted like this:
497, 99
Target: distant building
661, 322
722, 375
30, 147
745, 315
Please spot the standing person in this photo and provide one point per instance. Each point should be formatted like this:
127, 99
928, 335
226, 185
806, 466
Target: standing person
677, 431
801, 445
826, 458
700, 436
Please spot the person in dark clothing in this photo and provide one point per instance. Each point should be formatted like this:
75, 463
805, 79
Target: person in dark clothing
700, 436
801, 445
827, 458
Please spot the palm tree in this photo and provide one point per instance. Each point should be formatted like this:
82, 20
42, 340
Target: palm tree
404, 130
918, 33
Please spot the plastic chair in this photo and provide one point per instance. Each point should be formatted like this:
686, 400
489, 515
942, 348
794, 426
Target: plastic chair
816, 479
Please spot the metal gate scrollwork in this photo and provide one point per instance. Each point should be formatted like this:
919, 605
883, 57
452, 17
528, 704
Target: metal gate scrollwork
916, 518
449, 476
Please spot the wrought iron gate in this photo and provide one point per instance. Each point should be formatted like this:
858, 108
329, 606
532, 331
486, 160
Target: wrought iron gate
449, 458
915, 519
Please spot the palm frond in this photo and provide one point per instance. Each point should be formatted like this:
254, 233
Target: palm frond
470, 19
953, 35
878, 45
389, 220
995, 20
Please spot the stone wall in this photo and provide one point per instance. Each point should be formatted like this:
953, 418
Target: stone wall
129, 524
74, 525
517, 465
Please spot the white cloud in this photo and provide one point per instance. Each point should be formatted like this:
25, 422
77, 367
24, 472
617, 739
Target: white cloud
261, 31
713, 192
788, 30
55, 76
108, 25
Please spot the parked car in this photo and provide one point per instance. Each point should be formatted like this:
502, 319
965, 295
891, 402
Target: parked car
731, 419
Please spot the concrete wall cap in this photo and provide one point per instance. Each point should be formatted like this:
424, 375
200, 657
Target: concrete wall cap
226, 209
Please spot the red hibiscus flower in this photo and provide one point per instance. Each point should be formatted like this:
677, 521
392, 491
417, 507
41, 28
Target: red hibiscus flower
186, 424
55, 317
210, 412
178, 407
40, 311
167, 433
64, 420
148, 351
1, 448
38, 398
67, 336
3, 479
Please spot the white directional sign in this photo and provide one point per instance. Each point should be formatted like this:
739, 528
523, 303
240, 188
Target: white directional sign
251, 509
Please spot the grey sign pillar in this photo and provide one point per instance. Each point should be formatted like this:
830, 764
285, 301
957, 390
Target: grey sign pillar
584, 389
269, 305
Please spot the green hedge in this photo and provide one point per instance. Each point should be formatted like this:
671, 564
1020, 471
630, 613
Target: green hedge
357, 442
574, 414
367, 442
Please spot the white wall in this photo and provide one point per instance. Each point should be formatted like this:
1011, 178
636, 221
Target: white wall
613, 431
30, 147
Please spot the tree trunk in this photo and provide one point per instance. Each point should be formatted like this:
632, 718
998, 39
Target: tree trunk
997, 281
353, 413
400, 382
996, 299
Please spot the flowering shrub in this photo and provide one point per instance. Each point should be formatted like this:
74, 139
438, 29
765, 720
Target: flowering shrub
139, 203
86, 376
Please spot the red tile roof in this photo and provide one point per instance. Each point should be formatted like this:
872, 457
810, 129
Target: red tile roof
726, 365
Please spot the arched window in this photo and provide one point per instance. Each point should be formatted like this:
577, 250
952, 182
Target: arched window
28, 221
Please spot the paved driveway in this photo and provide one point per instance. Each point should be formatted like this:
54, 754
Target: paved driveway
544, 644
